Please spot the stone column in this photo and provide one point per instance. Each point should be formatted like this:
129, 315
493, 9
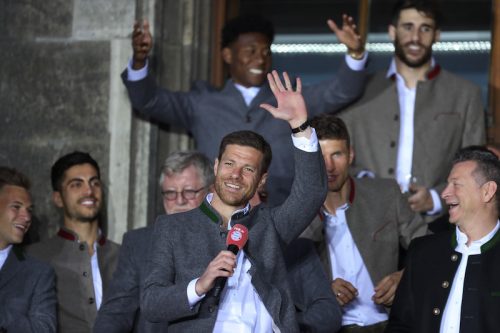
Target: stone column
60, 91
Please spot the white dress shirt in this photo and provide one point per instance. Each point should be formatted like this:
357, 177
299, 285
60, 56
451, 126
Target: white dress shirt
450, 323
406, 97
96, 277
347, 264
4, 254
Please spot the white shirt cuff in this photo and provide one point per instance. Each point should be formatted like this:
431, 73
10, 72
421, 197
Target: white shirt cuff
136, 75
437, 203
365, 174
356, 65
309, 145
193, 297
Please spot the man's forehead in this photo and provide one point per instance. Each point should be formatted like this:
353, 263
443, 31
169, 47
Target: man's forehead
333, 143
80, 171
12, 193
462, 169
236, 150
190, 174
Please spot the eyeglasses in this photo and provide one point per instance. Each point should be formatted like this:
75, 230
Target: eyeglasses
186, 194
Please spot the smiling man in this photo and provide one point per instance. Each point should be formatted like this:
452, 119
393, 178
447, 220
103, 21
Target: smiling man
452, 279
82, 257
188, 249
27, 286
358, 232
415, 116
209, 114
185, 180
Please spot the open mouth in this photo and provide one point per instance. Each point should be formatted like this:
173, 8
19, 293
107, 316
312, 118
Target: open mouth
22, 227
256, 71
88, 202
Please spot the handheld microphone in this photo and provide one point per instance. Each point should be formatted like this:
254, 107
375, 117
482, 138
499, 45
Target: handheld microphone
236, 240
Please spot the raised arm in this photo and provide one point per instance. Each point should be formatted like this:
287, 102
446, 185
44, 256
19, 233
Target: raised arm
291, 106
348, 35
142, 43
309, 185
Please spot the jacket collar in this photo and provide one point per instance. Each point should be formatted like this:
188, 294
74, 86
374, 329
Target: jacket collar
68, 234
432, 74
352, 194
484, 248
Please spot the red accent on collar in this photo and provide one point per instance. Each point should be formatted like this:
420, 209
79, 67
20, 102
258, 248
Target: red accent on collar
71, 237
353, 190
433, 73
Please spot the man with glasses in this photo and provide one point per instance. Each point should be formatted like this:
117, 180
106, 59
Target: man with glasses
414, 116
185, 180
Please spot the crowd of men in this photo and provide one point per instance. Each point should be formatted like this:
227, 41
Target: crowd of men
337, 209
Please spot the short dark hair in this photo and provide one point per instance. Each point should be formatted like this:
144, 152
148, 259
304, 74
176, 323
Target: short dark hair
245, 24
249, 139
177, 162
13, 177
488, 165
430, 8
329, 127
67, 161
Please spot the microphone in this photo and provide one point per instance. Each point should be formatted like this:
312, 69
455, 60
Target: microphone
236, 240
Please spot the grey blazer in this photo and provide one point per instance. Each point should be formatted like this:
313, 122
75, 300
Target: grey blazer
185, 243
75, 289
316, 305
379, 219
209, 114
27, 295
120, 309
449, 115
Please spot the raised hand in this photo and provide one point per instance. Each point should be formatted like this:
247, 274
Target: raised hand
348, 35
142, 42
291, 106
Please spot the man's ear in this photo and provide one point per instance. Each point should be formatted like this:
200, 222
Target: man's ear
227, 55
392, 32
263, 180
489, 190
56, 197
437, 35
351, 155
216, 165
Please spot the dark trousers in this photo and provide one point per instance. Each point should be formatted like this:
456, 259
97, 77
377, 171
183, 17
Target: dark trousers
375, 328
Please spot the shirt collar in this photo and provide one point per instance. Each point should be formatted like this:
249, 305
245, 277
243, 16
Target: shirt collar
248, 93
433, 72
475, 245
72, 236
237, 214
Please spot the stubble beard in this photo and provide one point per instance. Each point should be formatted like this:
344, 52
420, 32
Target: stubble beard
401, 55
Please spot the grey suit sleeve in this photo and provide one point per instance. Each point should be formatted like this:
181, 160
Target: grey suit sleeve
162, 299
334, 94
121, 301
317, 307
159, 104
306, 197
42, 315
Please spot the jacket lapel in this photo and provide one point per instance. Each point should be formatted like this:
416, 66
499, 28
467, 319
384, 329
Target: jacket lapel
11, 266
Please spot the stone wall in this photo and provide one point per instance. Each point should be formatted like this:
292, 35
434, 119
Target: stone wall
60, 91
